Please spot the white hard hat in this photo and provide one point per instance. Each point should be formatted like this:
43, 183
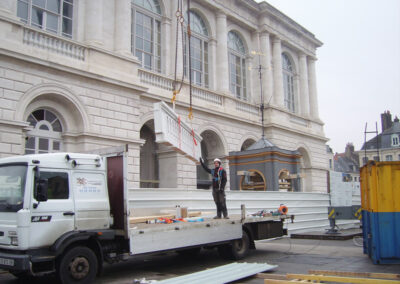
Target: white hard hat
217, 160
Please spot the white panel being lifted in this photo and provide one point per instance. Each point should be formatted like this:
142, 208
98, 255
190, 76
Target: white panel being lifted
172, 131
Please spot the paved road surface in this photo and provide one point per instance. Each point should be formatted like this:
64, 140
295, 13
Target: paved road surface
291, 256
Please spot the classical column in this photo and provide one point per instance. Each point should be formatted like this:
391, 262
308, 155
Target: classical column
278, 80
312, 81
266, 64
8, 8
251, 96
222, 54
94, 22
212, 71
304, 97
123, 27
252, 66
167, 53
168, 168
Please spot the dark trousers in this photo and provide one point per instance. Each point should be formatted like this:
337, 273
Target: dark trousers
220, 201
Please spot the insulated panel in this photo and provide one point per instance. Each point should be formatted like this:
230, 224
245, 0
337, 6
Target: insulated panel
173, 131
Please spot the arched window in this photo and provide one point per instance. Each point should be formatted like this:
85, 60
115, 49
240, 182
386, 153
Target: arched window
50, 15
237, 66
46, 134
146, 33
288, 85
253, 180
199, 51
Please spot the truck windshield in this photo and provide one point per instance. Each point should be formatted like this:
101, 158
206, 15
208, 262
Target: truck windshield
12, 187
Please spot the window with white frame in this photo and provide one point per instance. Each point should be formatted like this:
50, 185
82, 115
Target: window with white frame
55, 16
237, 66
146, 33
395, 140
46, 134
389, 158
198, 51
288, 82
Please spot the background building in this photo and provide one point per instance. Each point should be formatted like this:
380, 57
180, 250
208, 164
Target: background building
348, 164
82, 75
385, 146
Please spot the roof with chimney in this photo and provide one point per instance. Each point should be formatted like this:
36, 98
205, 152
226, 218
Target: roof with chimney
347, 162
384, 140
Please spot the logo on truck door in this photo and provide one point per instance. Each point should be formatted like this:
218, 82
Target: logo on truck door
35, 219
88, 185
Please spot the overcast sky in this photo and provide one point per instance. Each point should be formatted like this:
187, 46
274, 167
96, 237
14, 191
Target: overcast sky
358, 67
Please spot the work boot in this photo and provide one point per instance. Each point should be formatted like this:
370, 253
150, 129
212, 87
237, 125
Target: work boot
226, 217
217, 217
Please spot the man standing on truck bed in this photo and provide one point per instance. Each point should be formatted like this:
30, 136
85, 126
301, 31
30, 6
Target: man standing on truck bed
219, 182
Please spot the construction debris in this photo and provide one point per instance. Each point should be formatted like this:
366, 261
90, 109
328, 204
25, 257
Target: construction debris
221, 274
322, 276
149, 219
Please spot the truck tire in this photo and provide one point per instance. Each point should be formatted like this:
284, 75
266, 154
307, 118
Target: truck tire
237, 249
240, 248
78, 265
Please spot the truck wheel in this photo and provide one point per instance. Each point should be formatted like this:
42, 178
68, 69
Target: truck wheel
240, 248
78, 265
237, 249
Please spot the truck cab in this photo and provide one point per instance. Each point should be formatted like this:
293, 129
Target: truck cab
46, 199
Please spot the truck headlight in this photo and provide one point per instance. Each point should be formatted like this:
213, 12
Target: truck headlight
14, 241
13, 237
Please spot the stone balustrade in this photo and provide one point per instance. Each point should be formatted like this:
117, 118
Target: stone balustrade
208, 96
247, 107
53, 44
156, 80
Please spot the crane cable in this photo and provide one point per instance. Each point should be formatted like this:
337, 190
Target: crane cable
189, 32
179, 23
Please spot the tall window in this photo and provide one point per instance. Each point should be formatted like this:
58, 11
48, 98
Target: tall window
237, 66
198, 50
288, 85
46, 134
395, 140
146, 33
54, 16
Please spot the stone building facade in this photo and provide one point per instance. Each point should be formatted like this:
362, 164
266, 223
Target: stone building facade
82, 75
385, 146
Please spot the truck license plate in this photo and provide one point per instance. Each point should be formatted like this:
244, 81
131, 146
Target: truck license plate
6, 261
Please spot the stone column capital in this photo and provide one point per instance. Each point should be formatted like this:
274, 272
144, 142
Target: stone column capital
166, 20
302, 55
276, 39
221, 14
264, 33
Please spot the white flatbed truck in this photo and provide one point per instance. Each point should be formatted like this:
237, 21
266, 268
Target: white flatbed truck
69, 213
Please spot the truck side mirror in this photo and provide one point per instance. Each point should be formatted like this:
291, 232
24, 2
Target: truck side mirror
41, 186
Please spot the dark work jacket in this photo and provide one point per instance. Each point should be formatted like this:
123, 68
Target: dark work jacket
219, 176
